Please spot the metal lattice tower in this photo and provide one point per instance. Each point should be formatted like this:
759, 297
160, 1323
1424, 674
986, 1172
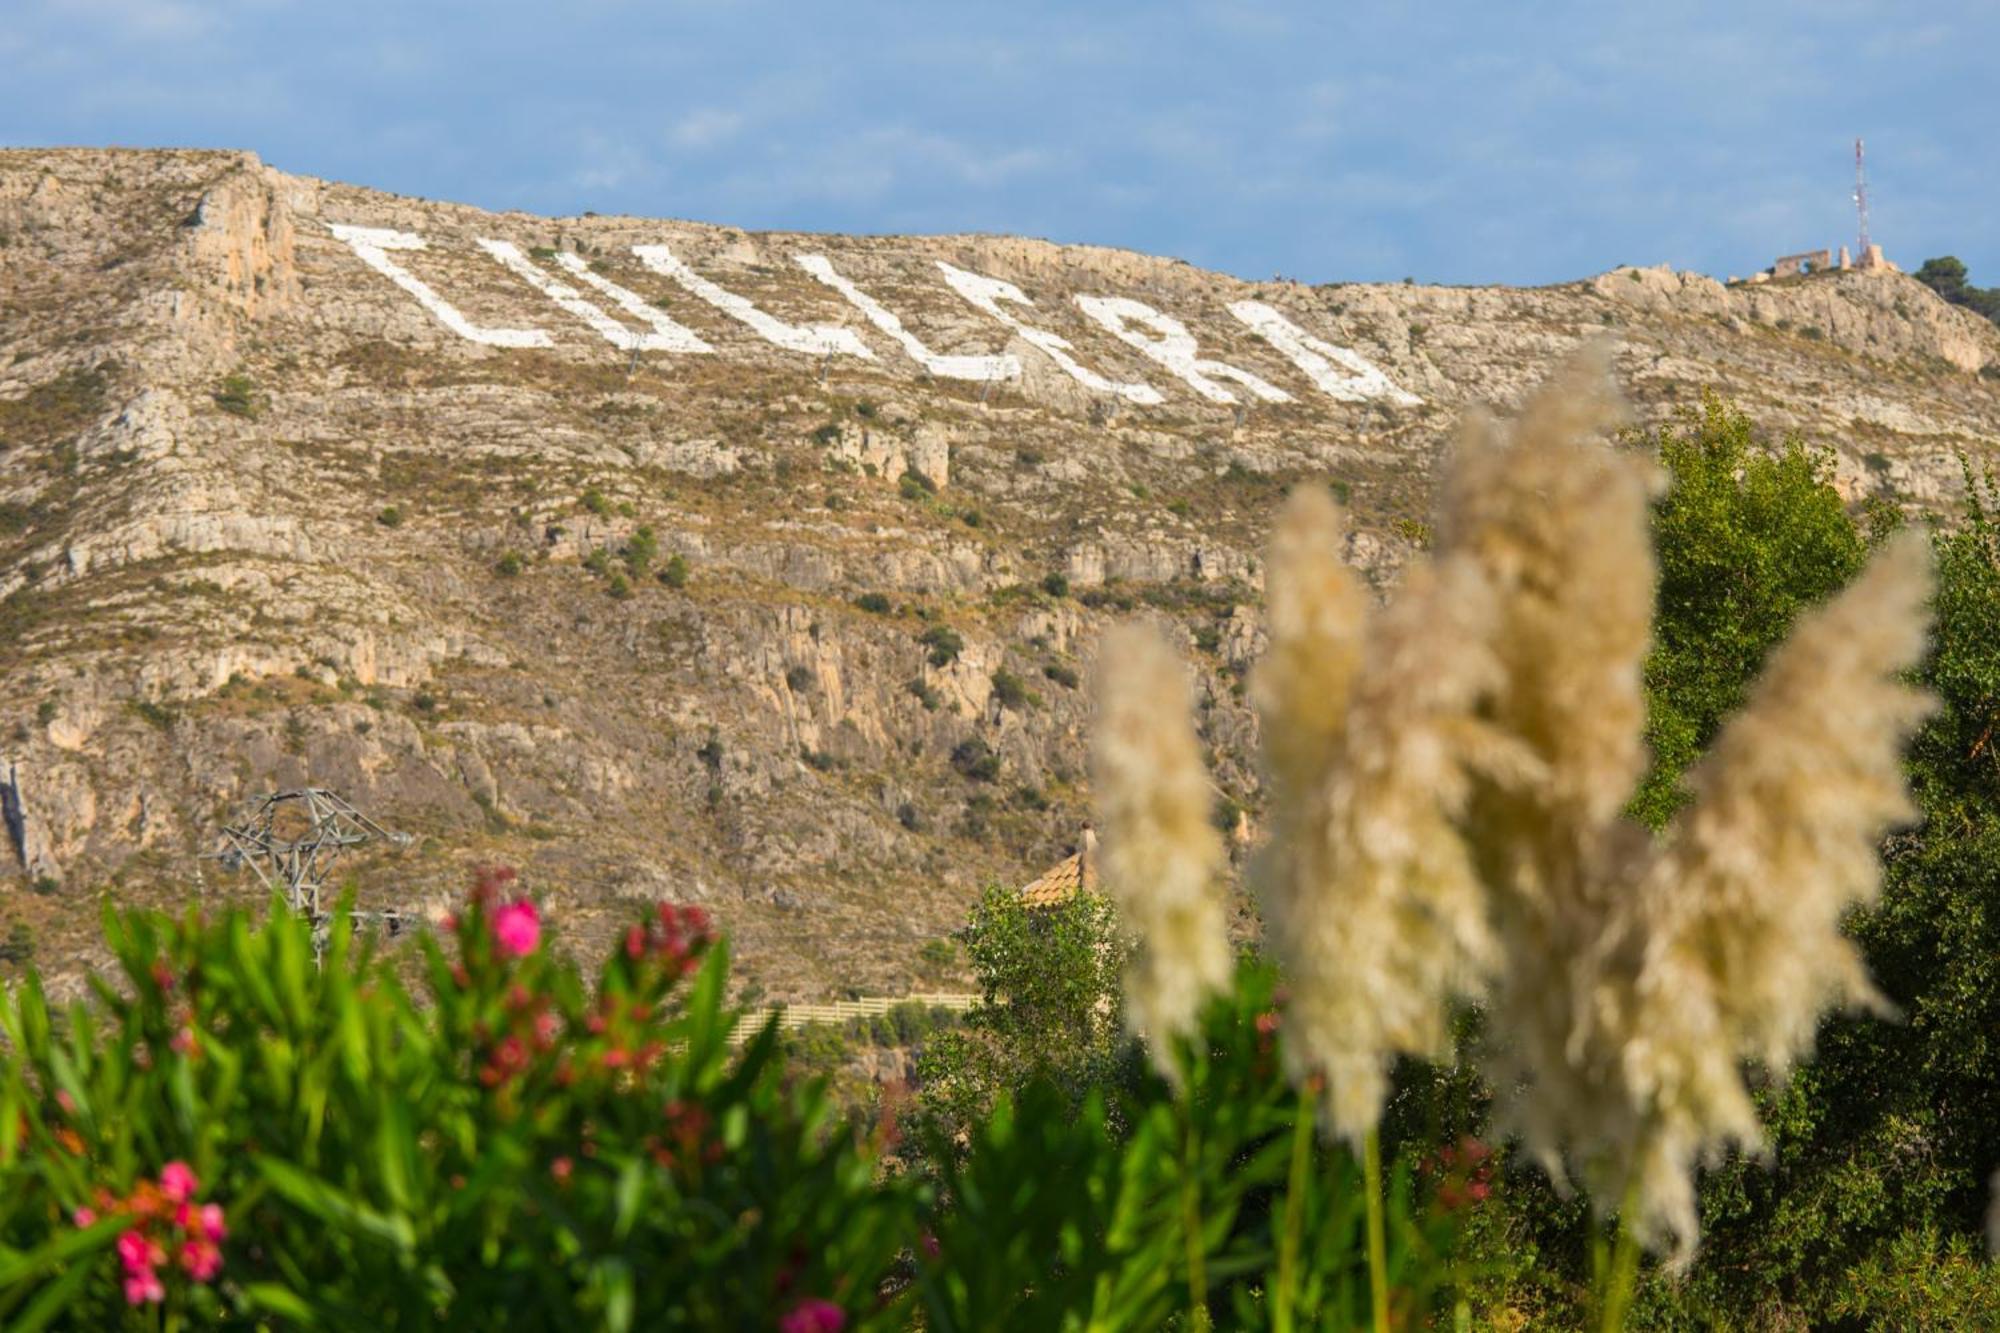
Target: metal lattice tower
291, 839
1861, 198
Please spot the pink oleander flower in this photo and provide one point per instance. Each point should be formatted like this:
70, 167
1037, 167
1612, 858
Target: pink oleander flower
813, 1316
143, 1287
203, 1222
84, 1217
202, 1259
177, 1182
517, 928
135, 1251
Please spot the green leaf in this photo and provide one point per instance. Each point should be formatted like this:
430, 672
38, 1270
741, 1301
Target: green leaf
330, 1204
66, 1244
615, 1278
280, 1300
52, 1300
630, 1190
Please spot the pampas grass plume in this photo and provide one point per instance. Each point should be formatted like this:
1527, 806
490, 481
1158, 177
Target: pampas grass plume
1740, 913
1377, 917
1161, 852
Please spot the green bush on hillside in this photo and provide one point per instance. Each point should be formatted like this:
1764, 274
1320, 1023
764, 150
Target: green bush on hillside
945, 644
237, 395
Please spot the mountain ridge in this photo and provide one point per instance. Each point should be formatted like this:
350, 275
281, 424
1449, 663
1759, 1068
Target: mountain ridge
267, 517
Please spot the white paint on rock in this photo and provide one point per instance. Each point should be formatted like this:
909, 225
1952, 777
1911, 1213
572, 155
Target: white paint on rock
814, 340
372, 244
1341, 374
1174, 348
986, 294
664, 335
674, 337
1361, 382
980, 369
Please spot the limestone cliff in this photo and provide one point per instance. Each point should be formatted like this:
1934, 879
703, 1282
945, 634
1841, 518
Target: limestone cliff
665, 559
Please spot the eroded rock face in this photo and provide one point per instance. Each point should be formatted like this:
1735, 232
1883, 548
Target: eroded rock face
792, 629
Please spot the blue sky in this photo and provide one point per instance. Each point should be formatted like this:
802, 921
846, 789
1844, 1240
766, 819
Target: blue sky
1515, 142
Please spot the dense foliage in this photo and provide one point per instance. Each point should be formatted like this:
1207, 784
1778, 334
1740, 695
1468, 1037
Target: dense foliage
1869, 1206
1140, 1208
1049, 1012
1746, 538
1883, 1147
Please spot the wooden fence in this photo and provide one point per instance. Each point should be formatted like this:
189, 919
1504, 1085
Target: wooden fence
791, 1016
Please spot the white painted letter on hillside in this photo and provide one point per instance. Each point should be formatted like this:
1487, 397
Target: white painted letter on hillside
814, 340
987, 293
665, 335
1362, 383
976, 368
372, 244
1174, 348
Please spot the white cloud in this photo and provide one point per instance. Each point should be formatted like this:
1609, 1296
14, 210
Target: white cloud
904, 150
705, 128
152, 20
390, 58
605, 163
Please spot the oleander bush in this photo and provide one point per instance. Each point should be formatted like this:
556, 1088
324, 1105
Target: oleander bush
506, 1145
227, 1135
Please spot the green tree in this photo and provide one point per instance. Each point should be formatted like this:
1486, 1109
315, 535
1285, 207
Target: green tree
1747, 537
1868, 1208
1947, 277
1050, 1008
1897, 1131
640, 548
1870, 1205
945, 644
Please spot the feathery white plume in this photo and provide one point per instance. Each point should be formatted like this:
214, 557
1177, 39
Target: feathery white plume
1161, 852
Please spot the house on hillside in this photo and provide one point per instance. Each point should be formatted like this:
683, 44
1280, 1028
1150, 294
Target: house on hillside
1066, 878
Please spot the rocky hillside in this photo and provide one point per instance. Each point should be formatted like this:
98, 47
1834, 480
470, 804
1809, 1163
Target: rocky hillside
665, 559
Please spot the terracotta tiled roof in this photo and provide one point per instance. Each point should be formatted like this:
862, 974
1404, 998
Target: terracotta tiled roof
1060, 882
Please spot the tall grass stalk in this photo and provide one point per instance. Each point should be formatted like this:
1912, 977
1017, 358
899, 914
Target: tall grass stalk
1191, 1220
1621, 1277
1289, 1238
1378, 1238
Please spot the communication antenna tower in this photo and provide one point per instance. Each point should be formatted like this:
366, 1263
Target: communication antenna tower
1861, 196
290, 841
